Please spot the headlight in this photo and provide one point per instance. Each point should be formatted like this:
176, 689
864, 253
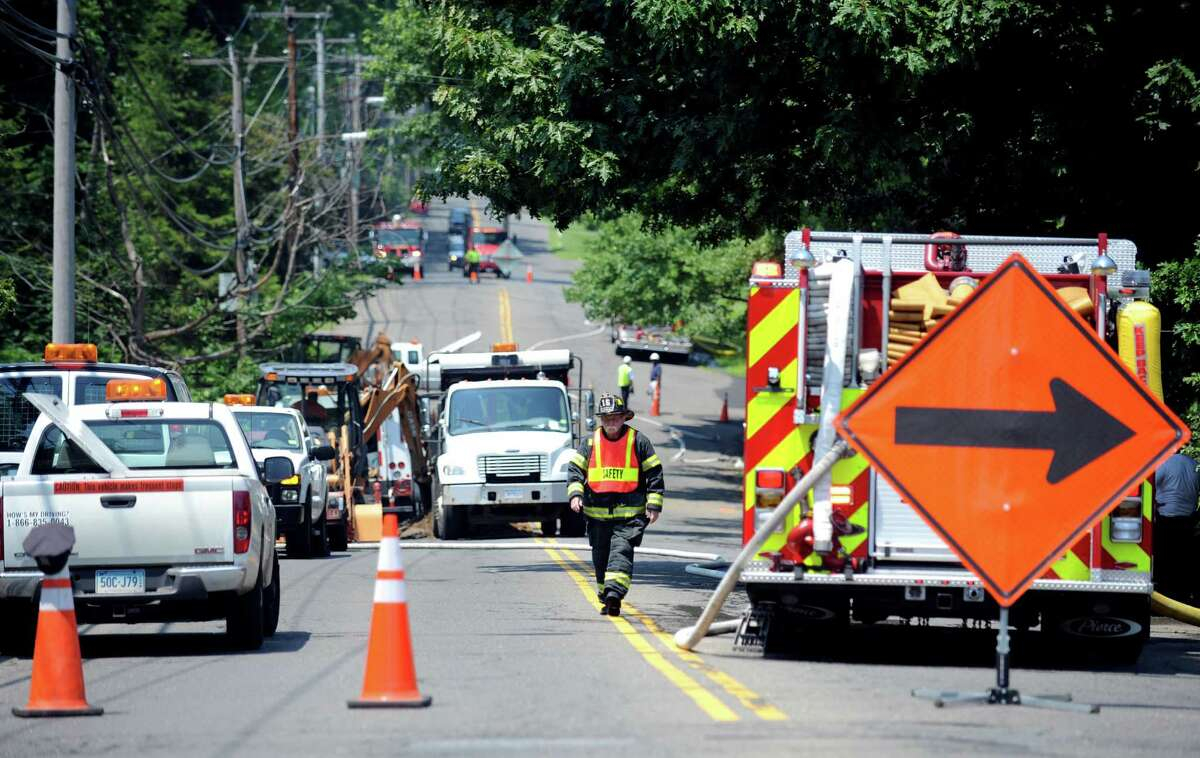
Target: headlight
289, 495
448, 470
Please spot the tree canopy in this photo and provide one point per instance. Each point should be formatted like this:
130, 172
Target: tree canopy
742, 116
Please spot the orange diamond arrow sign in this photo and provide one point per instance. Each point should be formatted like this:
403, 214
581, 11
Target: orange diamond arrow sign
1012, 429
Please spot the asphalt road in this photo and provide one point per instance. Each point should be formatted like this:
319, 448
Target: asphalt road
518, 662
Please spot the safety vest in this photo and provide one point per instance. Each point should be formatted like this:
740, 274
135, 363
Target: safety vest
624, 376
613, 466
472, 256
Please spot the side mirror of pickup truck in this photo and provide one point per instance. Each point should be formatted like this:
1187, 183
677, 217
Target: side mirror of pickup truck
277, 468
324, 453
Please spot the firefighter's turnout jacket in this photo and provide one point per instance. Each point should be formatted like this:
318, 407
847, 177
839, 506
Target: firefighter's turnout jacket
617, 479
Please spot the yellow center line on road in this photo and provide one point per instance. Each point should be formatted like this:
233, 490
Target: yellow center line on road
705, 700
506, 330
752, 701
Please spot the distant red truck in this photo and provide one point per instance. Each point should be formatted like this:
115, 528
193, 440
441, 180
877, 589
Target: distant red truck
399, 241
487, 240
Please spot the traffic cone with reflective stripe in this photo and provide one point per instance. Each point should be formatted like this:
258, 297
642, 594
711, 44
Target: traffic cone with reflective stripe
390, 680
725, 408
529, 273
655, 405
57, 686
417, 272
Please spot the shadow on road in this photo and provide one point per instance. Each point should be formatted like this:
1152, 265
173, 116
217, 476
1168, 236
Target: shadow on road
167, 644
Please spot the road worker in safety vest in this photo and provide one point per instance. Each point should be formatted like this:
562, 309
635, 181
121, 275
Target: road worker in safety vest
616, 480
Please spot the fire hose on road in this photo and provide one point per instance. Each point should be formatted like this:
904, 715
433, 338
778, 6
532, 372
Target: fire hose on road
688, 637
1165, 606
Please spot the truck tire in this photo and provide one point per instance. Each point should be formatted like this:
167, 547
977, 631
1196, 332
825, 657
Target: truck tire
450, 523
319, 535
19, 628
573, 524
338, 536
299, 541
271, 600
244, 622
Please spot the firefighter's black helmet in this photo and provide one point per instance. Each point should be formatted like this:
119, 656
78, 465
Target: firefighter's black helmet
612, 405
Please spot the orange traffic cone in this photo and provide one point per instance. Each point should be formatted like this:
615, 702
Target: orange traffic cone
725, 408
417, 273
655, 404
57, 686
390, 680
529, 273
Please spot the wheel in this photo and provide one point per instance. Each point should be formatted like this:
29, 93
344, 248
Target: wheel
299, 542
245, 620
573, 524
19, 628
550, 526
319, 534
338, 536
450, 523
272, 597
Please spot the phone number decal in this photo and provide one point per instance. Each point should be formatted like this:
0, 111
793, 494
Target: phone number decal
35, 518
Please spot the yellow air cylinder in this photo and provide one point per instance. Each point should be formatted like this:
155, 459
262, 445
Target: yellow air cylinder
1139, 338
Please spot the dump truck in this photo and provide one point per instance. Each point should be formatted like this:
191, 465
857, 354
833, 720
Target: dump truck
505, 425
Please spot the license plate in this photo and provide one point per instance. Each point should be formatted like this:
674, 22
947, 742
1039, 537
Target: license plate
120, 582
512, 495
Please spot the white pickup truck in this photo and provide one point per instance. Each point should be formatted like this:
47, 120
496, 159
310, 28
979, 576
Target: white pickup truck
172, 519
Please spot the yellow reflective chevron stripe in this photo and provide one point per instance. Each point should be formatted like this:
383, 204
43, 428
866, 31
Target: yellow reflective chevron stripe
1071, 568
651, 462
619, 577
579, 460
574, 488
654, 499
620, 512
764, 405
767, 332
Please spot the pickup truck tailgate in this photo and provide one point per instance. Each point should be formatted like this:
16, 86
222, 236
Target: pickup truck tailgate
124, 522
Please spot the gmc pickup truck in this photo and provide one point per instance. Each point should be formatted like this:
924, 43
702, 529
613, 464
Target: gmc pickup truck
172, 517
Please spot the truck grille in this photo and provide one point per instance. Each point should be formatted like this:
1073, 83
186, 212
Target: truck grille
512, 468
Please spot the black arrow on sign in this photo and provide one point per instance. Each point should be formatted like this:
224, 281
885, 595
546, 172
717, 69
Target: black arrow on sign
1077, 430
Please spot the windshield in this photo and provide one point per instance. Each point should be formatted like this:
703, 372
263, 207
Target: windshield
490, 238
270, 431
16, 413
143, 444
321, 412
398, 236
508, 409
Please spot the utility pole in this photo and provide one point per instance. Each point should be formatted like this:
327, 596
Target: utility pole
239, 191
355, 126
319, 42
63, 288
320, 93
293, 122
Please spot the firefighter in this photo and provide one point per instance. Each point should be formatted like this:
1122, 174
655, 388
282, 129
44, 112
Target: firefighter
625, 380
1176, 489
472, 259
616, 480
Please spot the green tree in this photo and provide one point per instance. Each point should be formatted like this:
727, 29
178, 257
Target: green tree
661, 277
1176, 285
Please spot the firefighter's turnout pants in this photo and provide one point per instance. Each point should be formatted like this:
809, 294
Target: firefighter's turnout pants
612, 544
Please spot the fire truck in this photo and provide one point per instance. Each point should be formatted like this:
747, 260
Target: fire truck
400, 243
854, 550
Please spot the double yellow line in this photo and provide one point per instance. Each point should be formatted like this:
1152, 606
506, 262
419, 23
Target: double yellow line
506, 330
708, 702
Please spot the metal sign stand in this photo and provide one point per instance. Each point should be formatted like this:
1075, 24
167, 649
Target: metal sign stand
1002, 694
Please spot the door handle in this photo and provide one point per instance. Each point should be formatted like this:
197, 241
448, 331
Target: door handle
118, 501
